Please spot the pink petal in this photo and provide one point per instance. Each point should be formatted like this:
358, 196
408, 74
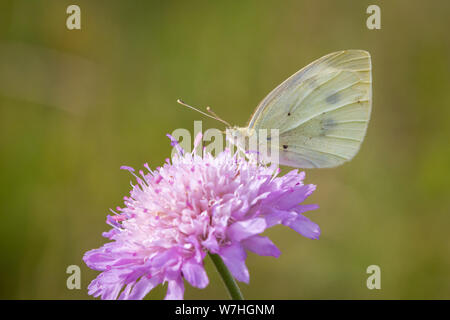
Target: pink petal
293, 198
262, 246
142, 287
175, 290
305, 227
247, 228
195, 274
234, 258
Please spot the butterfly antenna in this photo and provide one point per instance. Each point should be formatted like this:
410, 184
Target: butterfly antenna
208, 108
213, 116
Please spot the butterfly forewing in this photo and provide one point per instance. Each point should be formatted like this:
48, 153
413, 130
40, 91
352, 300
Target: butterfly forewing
321, 112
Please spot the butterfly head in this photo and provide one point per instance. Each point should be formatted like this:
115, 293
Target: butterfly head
238, 132
239, 136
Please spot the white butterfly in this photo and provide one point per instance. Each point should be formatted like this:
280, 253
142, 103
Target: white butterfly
321, 112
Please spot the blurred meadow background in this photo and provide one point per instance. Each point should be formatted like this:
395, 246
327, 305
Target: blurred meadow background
76, 105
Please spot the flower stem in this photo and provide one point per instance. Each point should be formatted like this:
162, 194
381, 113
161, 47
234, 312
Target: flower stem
228, 280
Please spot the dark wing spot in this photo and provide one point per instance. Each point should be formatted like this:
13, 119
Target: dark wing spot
332, 99
326, 125
285, 146
329, 123
289, 113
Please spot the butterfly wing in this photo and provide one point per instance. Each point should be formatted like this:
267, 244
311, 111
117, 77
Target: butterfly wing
322, 111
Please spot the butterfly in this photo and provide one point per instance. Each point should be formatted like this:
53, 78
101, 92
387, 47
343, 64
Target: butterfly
321, 112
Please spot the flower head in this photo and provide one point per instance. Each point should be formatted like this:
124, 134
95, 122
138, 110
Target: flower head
190, 206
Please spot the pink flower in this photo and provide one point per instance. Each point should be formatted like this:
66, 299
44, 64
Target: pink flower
193, 205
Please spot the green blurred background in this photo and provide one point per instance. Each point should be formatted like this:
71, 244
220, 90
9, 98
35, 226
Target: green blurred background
76, 105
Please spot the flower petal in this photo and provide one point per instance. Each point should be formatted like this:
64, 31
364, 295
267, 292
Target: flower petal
305, 207
175, 289
292, 198
107, 284
211, 242
126, 292
262, 246
164, 258
279, 216
305, 227
143, 286
195, 274
247, 228
234, 258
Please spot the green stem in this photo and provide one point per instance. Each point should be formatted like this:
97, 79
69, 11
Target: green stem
228, 280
